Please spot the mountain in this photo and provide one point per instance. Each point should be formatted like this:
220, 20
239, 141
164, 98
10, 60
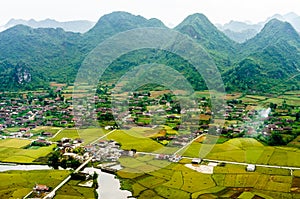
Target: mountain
268, 62
198, 27
241, 36
80, 26
54, 54
291, 17
241, 31
116, 22
50, 54
237, 26
271, 35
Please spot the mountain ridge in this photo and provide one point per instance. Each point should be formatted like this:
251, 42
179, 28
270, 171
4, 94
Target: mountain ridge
79, 26
55, 55
239, 31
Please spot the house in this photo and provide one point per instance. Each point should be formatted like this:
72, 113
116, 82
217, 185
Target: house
40, 188
27, 135
24, 130
175, 158
40, 142
47, 134
196, 160
250, 167
128, 153
162, 157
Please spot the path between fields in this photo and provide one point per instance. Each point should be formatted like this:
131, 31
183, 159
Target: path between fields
189, 143
230, 162
53, 192
60, 130
103, 136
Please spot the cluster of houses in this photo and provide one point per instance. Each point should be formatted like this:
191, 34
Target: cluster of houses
107, 150
22, 112
171, 158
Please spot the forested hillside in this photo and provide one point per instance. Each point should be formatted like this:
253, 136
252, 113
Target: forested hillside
31, 58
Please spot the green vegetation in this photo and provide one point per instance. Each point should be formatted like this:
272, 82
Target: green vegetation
133, 140
14, 143
87, 135
12, 151
73, 190
250, 151
28, 53
17, 184
177, 181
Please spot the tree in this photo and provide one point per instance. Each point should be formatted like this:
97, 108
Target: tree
298, 116
53, 160
276, 139
273, 106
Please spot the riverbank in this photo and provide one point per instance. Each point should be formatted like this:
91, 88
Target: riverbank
109, 185
17, 180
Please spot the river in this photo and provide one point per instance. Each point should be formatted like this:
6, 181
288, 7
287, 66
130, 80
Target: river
109, 186
13, 167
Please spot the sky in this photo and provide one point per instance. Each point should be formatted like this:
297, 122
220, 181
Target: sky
171, 12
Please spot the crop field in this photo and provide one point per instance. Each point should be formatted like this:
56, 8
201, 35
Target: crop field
178, 181
55, 84
24, 155
247, 150
72, 190
12, 129
46, 129
232, 96
16, 184
88, 135
169, 182
262, 178
205, 94
156, 94
249, 100
14, 143
293, 101
134, 140
69, 133
11, 150
295, 142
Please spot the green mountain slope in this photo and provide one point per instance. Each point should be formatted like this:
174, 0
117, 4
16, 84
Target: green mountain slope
51, 54
31, 58
56, 55
268, 62
116, 22
198, 27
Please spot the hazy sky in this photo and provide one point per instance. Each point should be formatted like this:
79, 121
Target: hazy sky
169, 11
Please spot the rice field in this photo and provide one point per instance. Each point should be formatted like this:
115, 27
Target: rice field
247, 150
17, 184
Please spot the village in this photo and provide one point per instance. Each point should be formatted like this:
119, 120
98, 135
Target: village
165, 121
144, 110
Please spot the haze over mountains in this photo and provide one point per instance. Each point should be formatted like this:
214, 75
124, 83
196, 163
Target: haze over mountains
73, 26
242, 31
235, 30
268, 62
